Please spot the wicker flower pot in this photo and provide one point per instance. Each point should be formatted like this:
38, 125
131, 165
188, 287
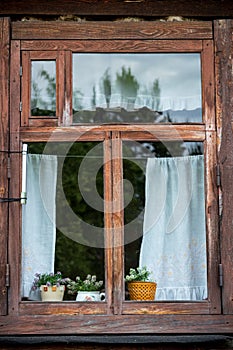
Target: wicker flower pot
142, 290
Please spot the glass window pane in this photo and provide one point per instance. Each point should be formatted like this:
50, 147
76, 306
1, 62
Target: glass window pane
137, 88
165, 216
74, 243
43, 88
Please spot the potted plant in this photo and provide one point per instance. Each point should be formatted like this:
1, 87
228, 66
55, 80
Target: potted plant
51, 285
139, 285
87, 289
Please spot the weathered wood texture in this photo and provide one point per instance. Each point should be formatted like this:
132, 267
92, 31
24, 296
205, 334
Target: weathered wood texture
98, 45
118, 7
115, 324
15, 184
4, 139
224, 50
111, 30
128, 132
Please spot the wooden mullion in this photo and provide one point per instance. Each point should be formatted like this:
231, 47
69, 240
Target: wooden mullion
67, 117
60, 86
118, 223
108, 210
140, 132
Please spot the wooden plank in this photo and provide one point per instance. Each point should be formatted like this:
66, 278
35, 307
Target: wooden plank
162, 308
111, 30
26, 89
113, 324
108, 211
126, 45
64, 308
212, 222
224, 50
129, 132
4, 145
53, 134
60, 85
118, 222
15, 186
46, 122
67, 113
164, 135
208, 85
118, 8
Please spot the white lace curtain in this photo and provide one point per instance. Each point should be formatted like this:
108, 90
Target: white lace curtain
38, 219
174, 239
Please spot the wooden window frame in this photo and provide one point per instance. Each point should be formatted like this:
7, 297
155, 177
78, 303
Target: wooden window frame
130, 317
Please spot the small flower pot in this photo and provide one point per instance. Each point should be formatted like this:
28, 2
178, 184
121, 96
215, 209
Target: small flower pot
142, 290
52, 293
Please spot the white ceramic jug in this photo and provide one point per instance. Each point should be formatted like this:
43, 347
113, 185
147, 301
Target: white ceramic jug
90, 296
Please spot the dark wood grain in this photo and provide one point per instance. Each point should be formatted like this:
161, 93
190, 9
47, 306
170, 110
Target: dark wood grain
224, 50
113, 324
111, 30
4, 139
102, 45
15, 184
118, 7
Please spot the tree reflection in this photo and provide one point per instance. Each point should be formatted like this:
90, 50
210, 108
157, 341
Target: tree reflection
43, 92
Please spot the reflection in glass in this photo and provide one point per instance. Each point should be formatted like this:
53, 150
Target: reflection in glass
168, 233
137, 88
43, 88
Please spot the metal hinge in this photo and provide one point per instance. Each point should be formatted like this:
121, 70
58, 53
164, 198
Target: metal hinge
218, 175
21, 71
7, 275
20, 106
8, 168
220, 274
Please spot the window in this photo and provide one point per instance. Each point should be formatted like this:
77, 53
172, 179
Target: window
109, 112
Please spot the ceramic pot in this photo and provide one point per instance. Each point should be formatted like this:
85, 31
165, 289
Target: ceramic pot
90, 296
52, 293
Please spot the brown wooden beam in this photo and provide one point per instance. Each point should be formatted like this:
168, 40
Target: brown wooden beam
224, 81
31, 30
158, 8
125, 324
4, 145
